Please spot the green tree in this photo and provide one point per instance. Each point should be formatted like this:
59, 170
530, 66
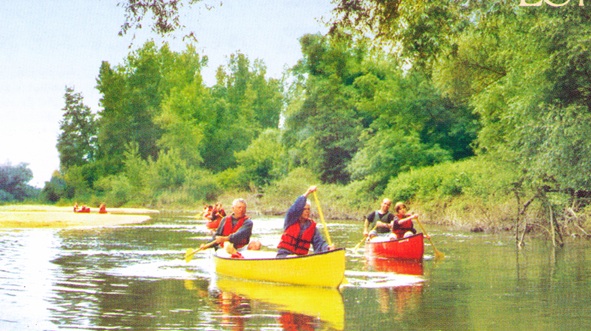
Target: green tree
131, 97
264, 160
55, 189
186, 109
14, 182
527, 80
323, 129
76, 143
244, 103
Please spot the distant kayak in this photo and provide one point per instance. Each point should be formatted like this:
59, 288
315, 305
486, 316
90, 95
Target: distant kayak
411, 248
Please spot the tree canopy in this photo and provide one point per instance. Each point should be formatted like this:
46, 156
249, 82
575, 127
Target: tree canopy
395, 86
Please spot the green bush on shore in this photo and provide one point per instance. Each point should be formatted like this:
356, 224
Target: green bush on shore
473, 192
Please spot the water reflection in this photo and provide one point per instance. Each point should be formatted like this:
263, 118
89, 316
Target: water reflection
400, 299
25, 278
299, 307
405, 267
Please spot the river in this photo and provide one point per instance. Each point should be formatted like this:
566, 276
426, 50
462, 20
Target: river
135, 278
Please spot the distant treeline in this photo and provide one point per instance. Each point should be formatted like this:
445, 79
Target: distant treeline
14, 181
477, 113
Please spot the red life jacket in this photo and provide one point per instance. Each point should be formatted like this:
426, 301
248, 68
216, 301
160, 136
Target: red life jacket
401, 228
229, 229
293, 242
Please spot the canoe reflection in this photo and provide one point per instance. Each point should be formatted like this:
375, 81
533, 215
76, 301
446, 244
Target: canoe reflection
232, 307
400, 299
300, 306
405, 267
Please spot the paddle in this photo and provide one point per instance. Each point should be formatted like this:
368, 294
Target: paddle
438, 254
322, 219
190, 252
364, 238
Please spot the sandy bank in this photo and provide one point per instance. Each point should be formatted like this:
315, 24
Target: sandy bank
40, 216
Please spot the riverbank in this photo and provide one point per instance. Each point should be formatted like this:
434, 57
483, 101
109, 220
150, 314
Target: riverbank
42, 216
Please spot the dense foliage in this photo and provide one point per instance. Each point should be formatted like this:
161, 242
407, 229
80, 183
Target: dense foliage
441, 103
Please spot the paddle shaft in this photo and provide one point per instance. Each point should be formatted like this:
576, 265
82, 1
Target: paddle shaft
365, 237
438, 254
188, 255
322, 219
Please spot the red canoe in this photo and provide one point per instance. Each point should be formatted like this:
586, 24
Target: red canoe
410, 248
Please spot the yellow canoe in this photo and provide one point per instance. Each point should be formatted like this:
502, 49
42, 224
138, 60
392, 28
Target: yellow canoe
325, 269
325, 304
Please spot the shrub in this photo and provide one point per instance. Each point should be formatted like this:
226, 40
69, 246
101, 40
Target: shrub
473, 191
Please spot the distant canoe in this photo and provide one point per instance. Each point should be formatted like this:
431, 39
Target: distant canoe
411, 248
323, 303
325, 269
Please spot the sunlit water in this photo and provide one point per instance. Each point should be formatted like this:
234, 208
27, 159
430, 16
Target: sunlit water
135, 278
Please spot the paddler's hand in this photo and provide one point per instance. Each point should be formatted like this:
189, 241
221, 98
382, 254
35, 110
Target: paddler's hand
331, 247
310, 190
220, 239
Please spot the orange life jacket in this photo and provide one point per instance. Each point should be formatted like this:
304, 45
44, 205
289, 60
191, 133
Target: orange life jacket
292, 241
228, 229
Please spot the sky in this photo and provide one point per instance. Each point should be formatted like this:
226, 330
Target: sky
48, 45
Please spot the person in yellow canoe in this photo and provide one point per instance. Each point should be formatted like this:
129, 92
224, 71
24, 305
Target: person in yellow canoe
299, 231
235, 230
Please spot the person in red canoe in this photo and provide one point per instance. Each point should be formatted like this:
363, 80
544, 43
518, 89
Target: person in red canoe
102, 209
217, 213
76, 207
218, 210
207, 212
82, 209
299, 231
402, 225
382, 219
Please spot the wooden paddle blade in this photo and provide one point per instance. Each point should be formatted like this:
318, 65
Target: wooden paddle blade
439, 255
189, 254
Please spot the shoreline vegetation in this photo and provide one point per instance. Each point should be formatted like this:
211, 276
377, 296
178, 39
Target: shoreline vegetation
477, 195
45, 216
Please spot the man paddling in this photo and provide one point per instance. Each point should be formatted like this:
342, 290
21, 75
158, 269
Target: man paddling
235, 230
299, 231
382, 219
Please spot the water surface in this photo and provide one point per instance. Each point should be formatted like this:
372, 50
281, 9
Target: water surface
135, 277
